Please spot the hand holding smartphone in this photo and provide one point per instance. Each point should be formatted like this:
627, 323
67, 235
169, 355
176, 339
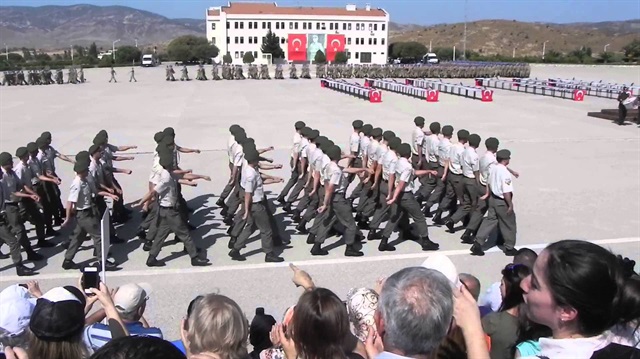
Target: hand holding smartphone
90, 279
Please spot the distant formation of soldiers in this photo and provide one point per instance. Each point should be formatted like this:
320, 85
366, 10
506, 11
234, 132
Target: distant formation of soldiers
43, 77
443, 70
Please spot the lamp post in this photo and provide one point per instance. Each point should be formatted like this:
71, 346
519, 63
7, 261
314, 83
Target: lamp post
136, 43
113, 50
71, 46
544, 48
6, 51
605, 47
464, 37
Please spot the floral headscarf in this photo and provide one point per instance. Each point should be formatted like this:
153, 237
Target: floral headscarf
361, 306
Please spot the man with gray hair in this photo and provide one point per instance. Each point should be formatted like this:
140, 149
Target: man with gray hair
414, 313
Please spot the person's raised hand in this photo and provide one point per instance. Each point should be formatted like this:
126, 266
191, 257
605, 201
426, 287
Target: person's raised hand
288, 346
34, 288
104, 295
373, 344
465, 310
15, 353
301, 278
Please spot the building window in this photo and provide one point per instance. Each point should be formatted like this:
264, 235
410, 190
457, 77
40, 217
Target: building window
362, 26
255, 54
335, 24
348, 54
349, 26
362, 41
357, 41
269, 25
241, 53
375, 41
383, 26
295, 25
357, 27
348, 41
235, 40
255, 39
304, 26
237, 54
213, 40
277, 26
255, 24
228, 25
282, 25
370, 27
264, 39
330, 26
264, 25
213, 26
317, 26
309, 25
375, 27
344, 26
356, 54
228, 40
235, 24
382, 41
290, 25
250, 40
242, 39
250, 25
370, 42
242, 25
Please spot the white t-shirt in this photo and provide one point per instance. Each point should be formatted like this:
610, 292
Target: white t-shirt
455, 158
167, 189
470, 162
252, 183
500, 180
417, 139
81, 191
404, 173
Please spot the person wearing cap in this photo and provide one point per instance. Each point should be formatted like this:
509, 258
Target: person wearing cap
417, 142
315, 169
444, 148
405, 201
16, 191
295, 166
28, 207
150, 209
240, 137
385, 175
336, 203
47, 156
130, 301
499, 191
171, 134
98, 175
81, 206
259, 332
313, 153
367, 204
16, 306
320, 218
255, 211
363, 156
454, 188
231, 144
470, 181
303, 164
169, 217
354, 143
430, 151
38, 180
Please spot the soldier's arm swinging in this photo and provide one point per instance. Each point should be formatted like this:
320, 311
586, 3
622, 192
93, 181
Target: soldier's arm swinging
187, 150
397, 191
125, 148
64, 158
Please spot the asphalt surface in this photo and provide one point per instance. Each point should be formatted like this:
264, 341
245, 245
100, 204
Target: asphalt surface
579, 176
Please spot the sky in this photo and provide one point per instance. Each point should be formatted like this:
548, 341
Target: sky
422, 12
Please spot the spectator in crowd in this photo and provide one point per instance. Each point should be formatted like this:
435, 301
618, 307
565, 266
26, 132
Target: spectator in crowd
259, 331
138, 347
502, 326
529, 334
16, 305
130, 301
472, 284
361, 308
580, 291
493, 296
178, 343
216, 328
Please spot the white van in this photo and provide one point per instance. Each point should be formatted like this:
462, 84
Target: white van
430, 58
148, 60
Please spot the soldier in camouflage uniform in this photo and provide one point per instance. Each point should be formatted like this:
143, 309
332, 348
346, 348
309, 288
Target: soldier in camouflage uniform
169, 71
305, 72
279, 75
133, 75
238, 73
293, 72
81, 75
214, 72
321, 71
185, 74
113, 75
264, 72
21, 79
252, 72
60, 79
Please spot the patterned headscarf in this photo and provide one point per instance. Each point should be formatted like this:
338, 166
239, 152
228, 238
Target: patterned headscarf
361, 306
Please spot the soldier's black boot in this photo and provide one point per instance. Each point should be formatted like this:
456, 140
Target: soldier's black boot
428, 245
311, 239
302, 227
374, 234
350, 251
236, 256
467, 237
384, 245
318, 251
476, 250
437, 218
23, 271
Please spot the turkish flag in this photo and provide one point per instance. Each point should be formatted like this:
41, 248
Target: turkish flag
335, 43
297, 47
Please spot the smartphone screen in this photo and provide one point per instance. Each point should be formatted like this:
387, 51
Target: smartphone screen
90, 279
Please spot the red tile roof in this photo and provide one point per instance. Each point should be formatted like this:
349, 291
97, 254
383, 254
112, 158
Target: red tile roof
273, 9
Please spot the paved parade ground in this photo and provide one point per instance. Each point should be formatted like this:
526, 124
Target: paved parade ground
579, 176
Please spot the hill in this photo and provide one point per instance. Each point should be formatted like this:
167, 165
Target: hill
502, 36
57, 27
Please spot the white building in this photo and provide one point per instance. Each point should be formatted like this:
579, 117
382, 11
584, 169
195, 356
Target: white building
240, 27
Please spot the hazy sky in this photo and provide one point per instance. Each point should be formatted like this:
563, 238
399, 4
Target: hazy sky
408, 11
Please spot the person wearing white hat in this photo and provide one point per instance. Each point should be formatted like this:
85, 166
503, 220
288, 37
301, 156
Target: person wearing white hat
16, 306
130, 301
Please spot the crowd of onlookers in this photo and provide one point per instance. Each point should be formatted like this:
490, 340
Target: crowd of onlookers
573, 300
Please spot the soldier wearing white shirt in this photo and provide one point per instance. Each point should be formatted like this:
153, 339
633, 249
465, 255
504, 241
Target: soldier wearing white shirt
231, 148
354, 144
430, 151
365, 132
387, 170
303, 164
150, 211
336, 202
500, 213
255, 211
169, 218
6, 234
454, 188
38, 180
28, 207
321, 218
295, 158
417, 142
309, 204
470, 180
444, 148
367, 204
47, 156
80, 205
404, 205
233, 201
311, 155
99, 176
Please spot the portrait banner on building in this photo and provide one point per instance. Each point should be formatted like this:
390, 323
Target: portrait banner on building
297, 47
315, 43
335, 43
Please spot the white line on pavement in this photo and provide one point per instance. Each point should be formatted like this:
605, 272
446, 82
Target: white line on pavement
302, 263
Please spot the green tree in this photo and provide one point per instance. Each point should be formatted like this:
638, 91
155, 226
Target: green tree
15, 58
227, 59
320, 58
632, 51
93, 51
127, 55
408, 50
191, 48
26, 54
106, 61
553, 57
605, 57
248, 58
79, 50
341, 58
271, 45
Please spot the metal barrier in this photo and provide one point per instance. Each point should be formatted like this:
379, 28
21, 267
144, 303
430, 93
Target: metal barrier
595, 89
534, 87
428, 95
476, 93
354, 89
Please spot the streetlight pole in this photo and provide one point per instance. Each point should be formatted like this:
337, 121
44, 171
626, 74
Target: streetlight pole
136, 43
430, 45
6, 51
544, 48
71, 46
605, 47
464, 38
113, 50
514, 53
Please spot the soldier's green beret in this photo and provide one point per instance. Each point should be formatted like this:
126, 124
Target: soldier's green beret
82, 156
492, 143
6, 159
234, 128
376, 132
463, 135
103, 133
240, 137
166, 159
404, 150
305, 131
503, 155
252, 156
46, 135
169, 131
366, 130
99, 140
434, 127
395, 143
93, 149
419, 121
474, 140
158, 137
387, 135
320, 141
32, 147
41, 142
168, 140
300, 125
447, 130
22, 152
314, 134
334, 153
357, 124
81, 166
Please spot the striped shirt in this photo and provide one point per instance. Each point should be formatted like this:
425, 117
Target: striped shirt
98, 334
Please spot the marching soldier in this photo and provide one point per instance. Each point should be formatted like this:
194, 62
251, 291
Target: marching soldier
622, 109
293, 72
305, 72
453, 177
302, 179
185, 74
430, 152
214, 72
133, 75
444, 147
501, 214
417, 139
113, 75
38, 180
279, 75
470, 180
81, 75
47, 157
294, 162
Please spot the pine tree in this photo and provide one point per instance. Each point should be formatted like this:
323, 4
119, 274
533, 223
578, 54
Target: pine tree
93, 51
248, 58
320, 58
271, 45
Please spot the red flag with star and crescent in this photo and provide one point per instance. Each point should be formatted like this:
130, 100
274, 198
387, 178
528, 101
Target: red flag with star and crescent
297, 47
335, 43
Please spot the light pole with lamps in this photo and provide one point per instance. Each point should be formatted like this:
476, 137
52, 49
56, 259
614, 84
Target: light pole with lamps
605, 47
544, 48
113, 50
71, 46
